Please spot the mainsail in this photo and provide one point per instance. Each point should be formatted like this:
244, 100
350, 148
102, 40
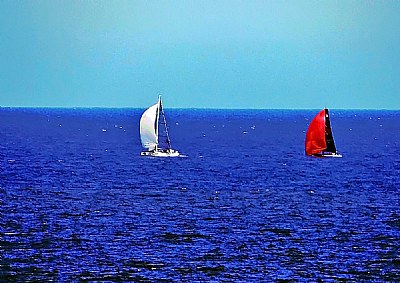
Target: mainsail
163, 135
330, 142
149, 127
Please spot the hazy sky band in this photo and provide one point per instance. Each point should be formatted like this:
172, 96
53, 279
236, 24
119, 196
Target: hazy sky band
212, 54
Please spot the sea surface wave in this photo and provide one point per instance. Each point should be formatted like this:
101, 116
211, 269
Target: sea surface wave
79, 204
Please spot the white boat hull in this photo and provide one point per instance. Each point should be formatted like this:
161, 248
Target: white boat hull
334, 155
159, 153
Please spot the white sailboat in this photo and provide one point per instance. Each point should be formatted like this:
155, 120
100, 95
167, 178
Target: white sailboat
150, 123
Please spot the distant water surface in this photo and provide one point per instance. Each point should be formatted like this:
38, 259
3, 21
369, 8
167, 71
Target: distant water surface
79, 204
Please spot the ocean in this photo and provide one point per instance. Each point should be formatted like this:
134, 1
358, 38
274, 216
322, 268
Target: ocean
79, 204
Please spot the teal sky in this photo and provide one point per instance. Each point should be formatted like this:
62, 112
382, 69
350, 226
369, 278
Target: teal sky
212, 54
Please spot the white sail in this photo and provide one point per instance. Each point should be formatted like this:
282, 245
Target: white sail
148, 131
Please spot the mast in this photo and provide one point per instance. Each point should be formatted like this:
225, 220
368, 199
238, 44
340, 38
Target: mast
157, 117
165, 124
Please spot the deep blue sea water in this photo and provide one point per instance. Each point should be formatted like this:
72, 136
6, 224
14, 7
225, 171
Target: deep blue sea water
79, 204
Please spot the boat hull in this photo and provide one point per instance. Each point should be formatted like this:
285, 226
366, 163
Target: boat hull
333, 155
169, 153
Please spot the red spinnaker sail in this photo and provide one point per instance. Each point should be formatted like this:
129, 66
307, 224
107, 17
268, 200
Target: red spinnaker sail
315, 137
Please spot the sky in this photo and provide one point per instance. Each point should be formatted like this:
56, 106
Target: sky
268, 54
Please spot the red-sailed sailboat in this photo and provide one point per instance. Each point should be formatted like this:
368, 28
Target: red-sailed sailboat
319, 138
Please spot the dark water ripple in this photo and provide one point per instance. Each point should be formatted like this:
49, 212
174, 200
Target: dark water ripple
77, 203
